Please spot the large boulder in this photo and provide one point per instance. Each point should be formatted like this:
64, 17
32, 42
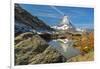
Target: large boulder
32, 49
50, 55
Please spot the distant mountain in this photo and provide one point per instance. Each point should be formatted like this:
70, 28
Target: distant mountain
25, 22
65, 24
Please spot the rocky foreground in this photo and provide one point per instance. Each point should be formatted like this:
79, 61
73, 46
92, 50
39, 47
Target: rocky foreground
32, 49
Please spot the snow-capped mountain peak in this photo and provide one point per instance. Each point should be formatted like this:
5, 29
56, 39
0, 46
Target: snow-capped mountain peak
65, 20
65, 24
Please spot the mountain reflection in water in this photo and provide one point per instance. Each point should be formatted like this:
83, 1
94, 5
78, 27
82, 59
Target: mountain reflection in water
65, 47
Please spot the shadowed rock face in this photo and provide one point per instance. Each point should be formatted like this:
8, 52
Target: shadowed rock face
32, 49
25, 22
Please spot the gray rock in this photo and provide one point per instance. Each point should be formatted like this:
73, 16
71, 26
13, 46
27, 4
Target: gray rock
32, 49
50, 55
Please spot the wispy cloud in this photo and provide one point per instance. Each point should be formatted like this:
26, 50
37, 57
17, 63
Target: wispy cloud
60, 12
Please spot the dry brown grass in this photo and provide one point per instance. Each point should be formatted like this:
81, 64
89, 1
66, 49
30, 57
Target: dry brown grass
85, 42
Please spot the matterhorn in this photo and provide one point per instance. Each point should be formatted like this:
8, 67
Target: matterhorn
66, 25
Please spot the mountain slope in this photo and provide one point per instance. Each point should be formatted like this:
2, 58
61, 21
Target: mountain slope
25, 22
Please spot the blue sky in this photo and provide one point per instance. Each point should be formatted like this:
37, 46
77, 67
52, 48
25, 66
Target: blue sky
79, 16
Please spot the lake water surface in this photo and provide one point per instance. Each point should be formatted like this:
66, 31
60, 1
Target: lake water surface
65, 47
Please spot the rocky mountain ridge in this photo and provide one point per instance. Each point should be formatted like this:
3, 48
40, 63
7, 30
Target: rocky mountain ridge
25, 22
